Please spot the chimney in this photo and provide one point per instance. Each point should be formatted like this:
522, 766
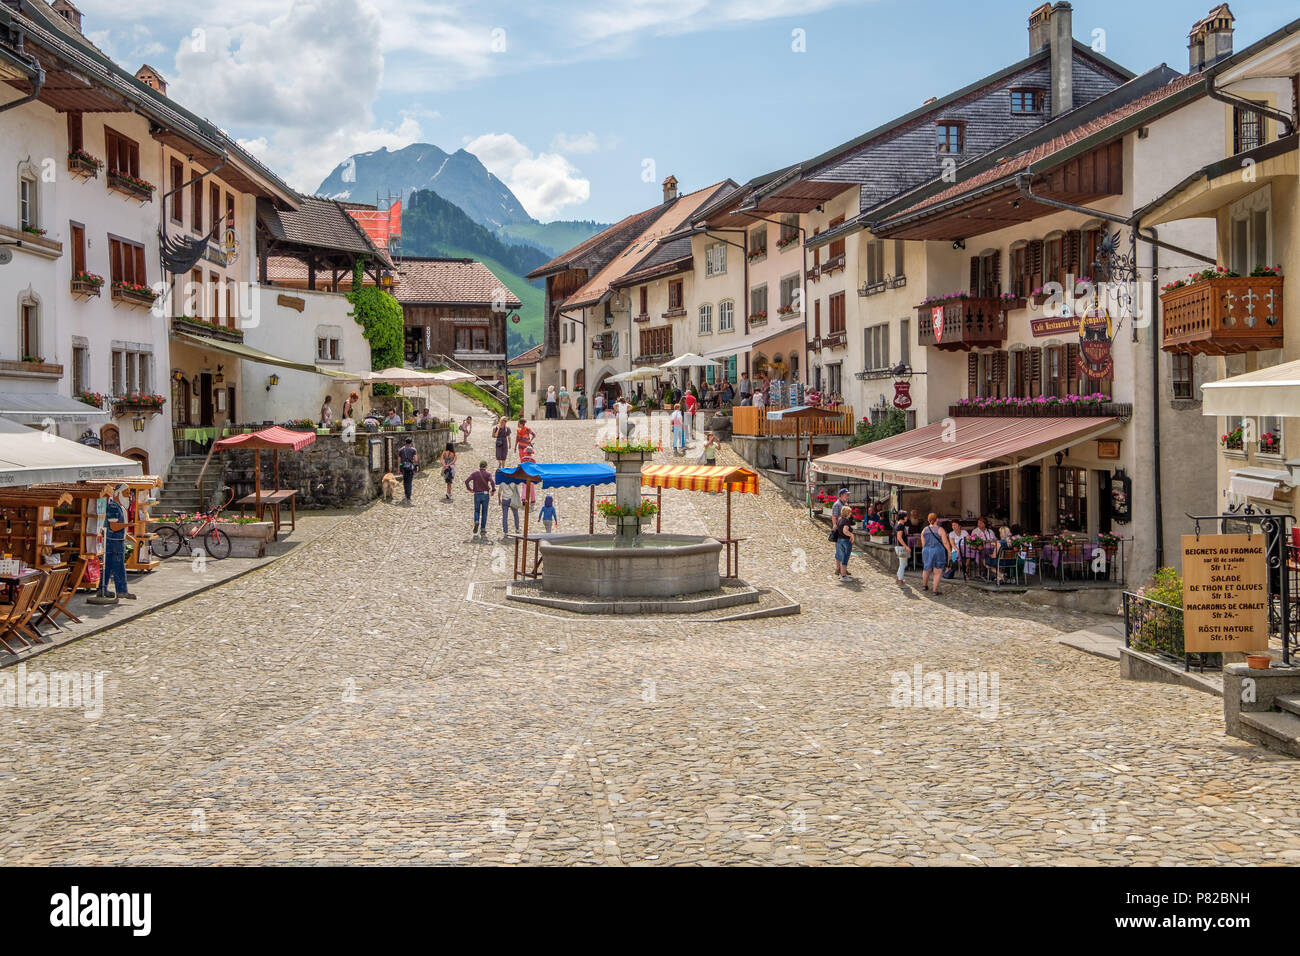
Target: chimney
1061, 29
65, 9
151, 77
1210, 39
670, 188
1039, 38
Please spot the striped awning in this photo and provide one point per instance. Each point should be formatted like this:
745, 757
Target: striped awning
700, 478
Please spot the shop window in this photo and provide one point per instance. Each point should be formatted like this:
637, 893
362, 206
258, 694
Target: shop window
1072, 499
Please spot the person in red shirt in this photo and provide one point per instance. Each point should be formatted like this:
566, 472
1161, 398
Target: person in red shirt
689, 404
524, 435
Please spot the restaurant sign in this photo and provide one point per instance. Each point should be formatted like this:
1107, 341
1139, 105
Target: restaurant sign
1225, 593
1094, 349
1068, 324
902, 395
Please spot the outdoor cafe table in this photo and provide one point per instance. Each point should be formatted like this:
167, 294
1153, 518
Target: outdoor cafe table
272, 500
10, 583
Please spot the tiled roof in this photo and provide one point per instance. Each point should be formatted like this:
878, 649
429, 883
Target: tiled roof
638, 219
287, 269
435, 281
639, 251
1011, 165
524, 359
322, 223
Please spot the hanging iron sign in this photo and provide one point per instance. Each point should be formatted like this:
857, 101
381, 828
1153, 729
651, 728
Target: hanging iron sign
1095, 360
1121, 497
903, 395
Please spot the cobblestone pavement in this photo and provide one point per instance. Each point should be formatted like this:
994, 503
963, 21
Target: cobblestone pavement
349, 704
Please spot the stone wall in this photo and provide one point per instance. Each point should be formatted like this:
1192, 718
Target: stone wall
331, 472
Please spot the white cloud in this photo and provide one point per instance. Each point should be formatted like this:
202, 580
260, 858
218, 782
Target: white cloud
586, 142
544, 182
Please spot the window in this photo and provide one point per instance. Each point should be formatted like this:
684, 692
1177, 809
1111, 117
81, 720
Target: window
1247, 129
80, 369
1019, 271
126, 261
790, 297
1181, 376
833, 378
471, 339
657, 342
875, 262
949, 138
985, 274
715, 259
194, 294
1092, 264
899, 253
327, 349
1026, 101
836, 245
217, 306
837, 313
28, 211
726, 315
1053, 260
123, 154
215, 210
876, 347
564, 378
645, 301
817, 318
230, 210
77, 239
196, 205
905, 341
758, 241
1270, 435
675, 295
706, 319
178, 194
75, 138
1250, 232
29, 330
789, 229
758, 301
1072, 499
532, 381
119, 372
564, 333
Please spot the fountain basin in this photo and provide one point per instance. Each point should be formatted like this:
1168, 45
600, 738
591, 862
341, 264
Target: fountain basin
660, 565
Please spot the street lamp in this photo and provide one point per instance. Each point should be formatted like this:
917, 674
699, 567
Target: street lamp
219, 378
137, 423
272, 381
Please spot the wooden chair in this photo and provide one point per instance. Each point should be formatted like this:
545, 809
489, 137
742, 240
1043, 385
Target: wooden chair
19, 613
70, 588
47, 599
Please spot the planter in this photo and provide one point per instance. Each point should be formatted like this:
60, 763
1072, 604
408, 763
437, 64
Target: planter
222, 333
629, 521
879, 539
87, 168
132, 297
622, 457
35, 369
86, 289
122, 409
119, 183
1259, 662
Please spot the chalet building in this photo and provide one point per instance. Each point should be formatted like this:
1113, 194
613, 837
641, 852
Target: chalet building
91, 287
1052, 405
525, 366
1232, 341
592, 330
455, 312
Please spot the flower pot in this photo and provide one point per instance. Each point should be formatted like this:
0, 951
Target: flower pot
1259, 662
879, 539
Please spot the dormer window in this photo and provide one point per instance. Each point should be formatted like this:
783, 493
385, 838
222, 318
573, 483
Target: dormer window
950, 137
1026, 101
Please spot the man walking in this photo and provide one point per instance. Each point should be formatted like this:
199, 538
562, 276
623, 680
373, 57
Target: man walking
409, 458
582, 404
745, 388
481, 484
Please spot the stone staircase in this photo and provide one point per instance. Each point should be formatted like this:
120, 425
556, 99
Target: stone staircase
1263, 706
179, 493
1277, 729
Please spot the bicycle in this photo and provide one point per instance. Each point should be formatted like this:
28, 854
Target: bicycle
216, 543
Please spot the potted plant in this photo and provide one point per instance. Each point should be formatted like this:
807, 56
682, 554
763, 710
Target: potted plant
86, 283
84, 164
409, 423
878, 533
1232, 440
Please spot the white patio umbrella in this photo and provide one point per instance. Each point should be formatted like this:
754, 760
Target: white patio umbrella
690, 360
637, 375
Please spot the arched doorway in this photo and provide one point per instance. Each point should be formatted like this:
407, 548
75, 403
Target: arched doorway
140, 455
110, 439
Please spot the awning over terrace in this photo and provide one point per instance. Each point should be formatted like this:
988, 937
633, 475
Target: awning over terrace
927, 457
700, 478
570, 475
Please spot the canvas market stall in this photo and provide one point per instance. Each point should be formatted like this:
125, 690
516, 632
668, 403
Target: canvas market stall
568, 475
711, 478
29, 456
274, 439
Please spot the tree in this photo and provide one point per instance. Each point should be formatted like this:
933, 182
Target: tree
380, 317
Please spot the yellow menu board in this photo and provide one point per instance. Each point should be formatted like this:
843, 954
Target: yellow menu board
1225, 593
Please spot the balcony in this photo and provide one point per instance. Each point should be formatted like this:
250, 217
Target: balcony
1223, 316
209, 330
1040, 408
961, 324
836, 340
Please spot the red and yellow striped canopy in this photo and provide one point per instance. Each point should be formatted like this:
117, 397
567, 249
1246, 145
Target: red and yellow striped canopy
700, 478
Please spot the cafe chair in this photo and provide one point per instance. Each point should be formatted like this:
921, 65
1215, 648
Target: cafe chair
20, 612
47, 599
70, 588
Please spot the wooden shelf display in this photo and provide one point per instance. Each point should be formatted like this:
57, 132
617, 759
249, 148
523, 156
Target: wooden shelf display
29, 530
84, 518
142, 495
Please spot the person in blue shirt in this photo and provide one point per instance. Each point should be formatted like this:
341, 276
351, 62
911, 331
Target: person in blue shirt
547, 514
115, 514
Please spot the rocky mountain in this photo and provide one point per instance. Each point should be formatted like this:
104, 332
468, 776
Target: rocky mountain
458, 177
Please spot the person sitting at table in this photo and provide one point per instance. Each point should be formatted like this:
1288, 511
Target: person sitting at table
393, 420
812, 397
980, 537
1001, 545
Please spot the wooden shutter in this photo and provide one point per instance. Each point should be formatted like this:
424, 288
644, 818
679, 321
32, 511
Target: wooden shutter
1035, 372
1070, 253
972, 375
898, 258
1071, 368
999, 374
974, 286
995, 279
1034, 264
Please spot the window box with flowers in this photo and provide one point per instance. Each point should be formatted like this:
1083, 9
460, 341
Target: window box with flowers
1219, 312
81, 163
32, 366
786, 311
134, 403
86, 284
756, 255
1011, 302
93, 399
1233, 443
129, 185
758, 318
210, 330
787, 242
1270, 445
132, 293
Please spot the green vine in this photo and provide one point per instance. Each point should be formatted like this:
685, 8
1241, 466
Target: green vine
380, 315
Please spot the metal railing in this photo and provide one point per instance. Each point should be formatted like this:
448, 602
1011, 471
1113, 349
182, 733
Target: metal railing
1154, 627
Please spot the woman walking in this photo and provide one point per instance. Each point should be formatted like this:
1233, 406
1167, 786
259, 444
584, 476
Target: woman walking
679, 434
902, 550
552, 403
501, 436
448, 467
843, 538
935, 549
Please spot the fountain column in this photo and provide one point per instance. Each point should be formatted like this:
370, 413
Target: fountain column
627, 488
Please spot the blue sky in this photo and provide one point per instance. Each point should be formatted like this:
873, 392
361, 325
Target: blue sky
567, 102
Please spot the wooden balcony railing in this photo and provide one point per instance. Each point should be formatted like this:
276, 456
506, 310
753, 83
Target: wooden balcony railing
961, 324
1223, 316
751, 420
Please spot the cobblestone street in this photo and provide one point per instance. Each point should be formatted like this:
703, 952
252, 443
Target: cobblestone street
351, 703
